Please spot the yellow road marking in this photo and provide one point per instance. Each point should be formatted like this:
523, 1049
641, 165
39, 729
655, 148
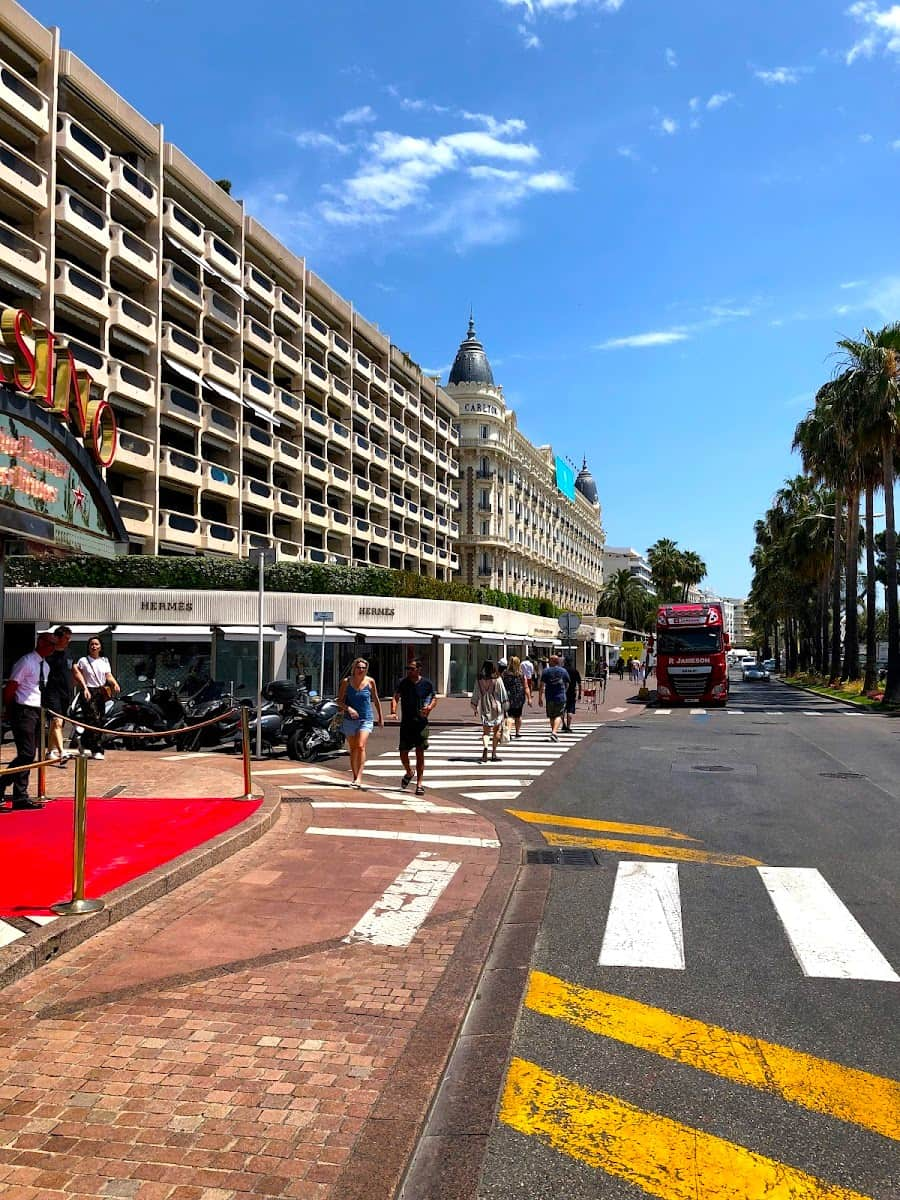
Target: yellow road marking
658, 1155
535, 818
648, 850
815, 1083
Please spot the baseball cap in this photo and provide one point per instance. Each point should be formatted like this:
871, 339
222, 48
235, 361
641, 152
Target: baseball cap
501, 662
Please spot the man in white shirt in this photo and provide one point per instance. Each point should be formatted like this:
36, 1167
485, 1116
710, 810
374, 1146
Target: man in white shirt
528, 671
22, 696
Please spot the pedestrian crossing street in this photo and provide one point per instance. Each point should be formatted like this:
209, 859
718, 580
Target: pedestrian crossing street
453, 760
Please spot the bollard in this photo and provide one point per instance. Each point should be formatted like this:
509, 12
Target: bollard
249, 794
42, 754
77, 906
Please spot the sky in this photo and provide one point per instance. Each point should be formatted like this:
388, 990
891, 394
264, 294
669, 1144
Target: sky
663, 215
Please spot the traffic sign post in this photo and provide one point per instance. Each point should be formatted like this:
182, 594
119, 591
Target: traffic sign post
325, 618
568, 625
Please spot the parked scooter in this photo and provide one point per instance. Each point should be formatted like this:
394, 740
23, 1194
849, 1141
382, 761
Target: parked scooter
314, 729
214, 700
282, 699
151, 710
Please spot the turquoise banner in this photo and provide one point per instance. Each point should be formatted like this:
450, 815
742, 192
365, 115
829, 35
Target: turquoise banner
565, 478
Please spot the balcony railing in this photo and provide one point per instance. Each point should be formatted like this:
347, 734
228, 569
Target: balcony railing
24, 100
134, 251
22, 176
222, 257
88, 151
183, 227
82, 217
138, 189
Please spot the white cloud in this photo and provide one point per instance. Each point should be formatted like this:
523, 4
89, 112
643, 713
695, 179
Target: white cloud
694, 103
778, 76
311, 139
532, 11
852, 283
357, 116
718, 99
628, 152
895, 145
668, 126
882, 30
639, 341
865, 138
671, 57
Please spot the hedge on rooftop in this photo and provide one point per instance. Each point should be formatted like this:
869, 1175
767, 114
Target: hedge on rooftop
201, 573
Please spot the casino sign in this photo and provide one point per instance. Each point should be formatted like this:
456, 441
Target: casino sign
54, 438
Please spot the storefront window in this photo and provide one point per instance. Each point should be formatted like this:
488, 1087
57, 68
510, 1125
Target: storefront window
236, 663
182, 665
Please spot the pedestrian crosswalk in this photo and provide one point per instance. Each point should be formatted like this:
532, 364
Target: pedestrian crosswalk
644, 923
834, 710
10, 932
453, 761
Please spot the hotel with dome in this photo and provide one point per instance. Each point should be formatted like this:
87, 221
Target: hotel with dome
526, 525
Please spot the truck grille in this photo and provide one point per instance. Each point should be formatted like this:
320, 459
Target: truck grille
689, 687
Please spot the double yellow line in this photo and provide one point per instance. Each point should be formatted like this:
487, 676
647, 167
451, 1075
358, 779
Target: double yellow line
662, 1156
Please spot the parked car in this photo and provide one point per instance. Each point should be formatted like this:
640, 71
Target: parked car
769, 664
754, 670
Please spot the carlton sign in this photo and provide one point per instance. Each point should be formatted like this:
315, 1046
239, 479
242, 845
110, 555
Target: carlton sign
50, 376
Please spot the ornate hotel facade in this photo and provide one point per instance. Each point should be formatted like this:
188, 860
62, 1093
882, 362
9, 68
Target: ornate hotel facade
255, 406
519, 531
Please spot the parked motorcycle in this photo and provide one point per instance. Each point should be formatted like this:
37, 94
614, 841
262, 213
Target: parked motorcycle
314, 729
214, 700
282, 699
153, 709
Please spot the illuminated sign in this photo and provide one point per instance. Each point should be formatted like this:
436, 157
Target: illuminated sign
565, 479
54, 379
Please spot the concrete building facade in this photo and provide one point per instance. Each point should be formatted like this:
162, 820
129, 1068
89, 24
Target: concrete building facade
518, 531
626, 558
255, 406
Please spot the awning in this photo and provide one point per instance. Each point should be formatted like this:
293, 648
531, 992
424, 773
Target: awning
486, 635
446, 635
544, 641
333, 633
185, 371
79, 631
380, 637
222, 391
160, 633
248, 633
173, 241
258, 409
19, 285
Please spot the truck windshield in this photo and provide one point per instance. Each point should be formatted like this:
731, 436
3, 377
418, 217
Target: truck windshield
689, 641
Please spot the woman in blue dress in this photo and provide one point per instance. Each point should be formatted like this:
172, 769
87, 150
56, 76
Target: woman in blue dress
358, 698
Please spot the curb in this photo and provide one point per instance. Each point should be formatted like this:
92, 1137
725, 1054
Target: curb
863, 708
48, 942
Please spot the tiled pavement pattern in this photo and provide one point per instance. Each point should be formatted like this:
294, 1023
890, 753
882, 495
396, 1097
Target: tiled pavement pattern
223, 1042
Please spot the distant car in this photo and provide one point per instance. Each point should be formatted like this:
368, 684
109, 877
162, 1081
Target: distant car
754, 670
769, 664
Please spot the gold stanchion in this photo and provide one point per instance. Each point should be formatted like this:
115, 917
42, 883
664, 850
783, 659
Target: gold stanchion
78, 905
249, 794
42, 754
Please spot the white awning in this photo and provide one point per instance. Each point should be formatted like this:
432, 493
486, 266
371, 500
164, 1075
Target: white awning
79, 631
181, 370
222, 391
544, 641
258, 409
184, 250
381, 637
313, 633
446, 635
161, 633
487, 635
248, 633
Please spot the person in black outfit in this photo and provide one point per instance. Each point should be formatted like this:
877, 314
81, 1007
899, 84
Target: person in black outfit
573, 693
415, 695
58, 693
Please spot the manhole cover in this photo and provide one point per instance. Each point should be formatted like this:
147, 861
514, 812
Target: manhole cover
713, 767
561, 857
840, 775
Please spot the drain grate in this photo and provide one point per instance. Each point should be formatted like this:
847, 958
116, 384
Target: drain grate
840, 775
712, 767
561, 856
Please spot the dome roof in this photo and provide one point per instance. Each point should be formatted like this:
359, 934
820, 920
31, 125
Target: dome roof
471, 364
585, 483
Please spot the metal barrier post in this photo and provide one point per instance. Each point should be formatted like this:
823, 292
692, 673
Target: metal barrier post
249, 794
42, 754
78, 905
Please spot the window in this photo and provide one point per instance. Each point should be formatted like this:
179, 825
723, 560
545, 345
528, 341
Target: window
484, 431
485, 528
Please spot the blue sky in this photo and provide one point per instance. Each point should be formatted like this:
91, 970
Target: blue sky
663, 214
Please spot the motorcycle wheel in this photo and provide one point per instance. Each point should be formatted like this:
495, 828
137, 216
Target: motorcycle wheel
301, 747
139, 743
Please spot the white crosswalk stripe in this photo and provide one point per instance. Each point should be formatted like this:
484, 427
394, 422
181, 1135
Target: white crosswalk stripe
9, 933
644, 926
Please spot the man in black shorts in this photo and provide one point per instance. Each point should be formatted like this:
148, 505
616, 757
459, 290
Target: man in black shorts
415, 695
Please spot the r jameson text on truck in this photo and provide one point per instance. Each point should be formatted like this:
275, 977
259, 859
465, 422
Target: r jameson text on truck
691, 648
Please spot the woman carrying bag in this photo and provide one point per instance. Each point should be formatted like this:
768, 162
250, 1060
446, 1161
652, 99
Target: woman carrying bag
517, 691
489, 702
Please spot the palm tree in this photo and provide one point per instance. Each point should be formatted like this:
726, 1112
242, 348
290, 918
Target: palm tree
624, 597
664, 558
873, 364
691, 571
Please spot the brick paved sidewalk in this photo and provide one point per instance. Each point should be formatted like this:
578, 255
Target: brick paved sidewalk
227, 1041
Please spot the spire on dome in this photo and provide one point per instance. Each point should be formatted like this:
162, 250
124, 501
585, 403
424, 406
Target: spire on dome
585, 483
471, 363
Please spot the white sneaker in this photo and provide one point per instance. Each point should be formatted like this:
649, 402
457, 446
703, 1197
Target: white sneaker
54, 754
98, 754
86, 754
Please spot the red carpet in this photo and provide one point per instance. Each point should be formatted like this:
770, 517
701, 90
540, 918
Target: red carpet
125, 839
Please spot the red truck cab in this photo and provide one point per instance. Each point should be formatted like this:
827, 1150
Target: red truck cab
691, 647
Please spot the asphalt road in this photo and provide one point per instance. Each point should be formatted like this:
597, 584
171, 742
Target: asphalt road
623, 1080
